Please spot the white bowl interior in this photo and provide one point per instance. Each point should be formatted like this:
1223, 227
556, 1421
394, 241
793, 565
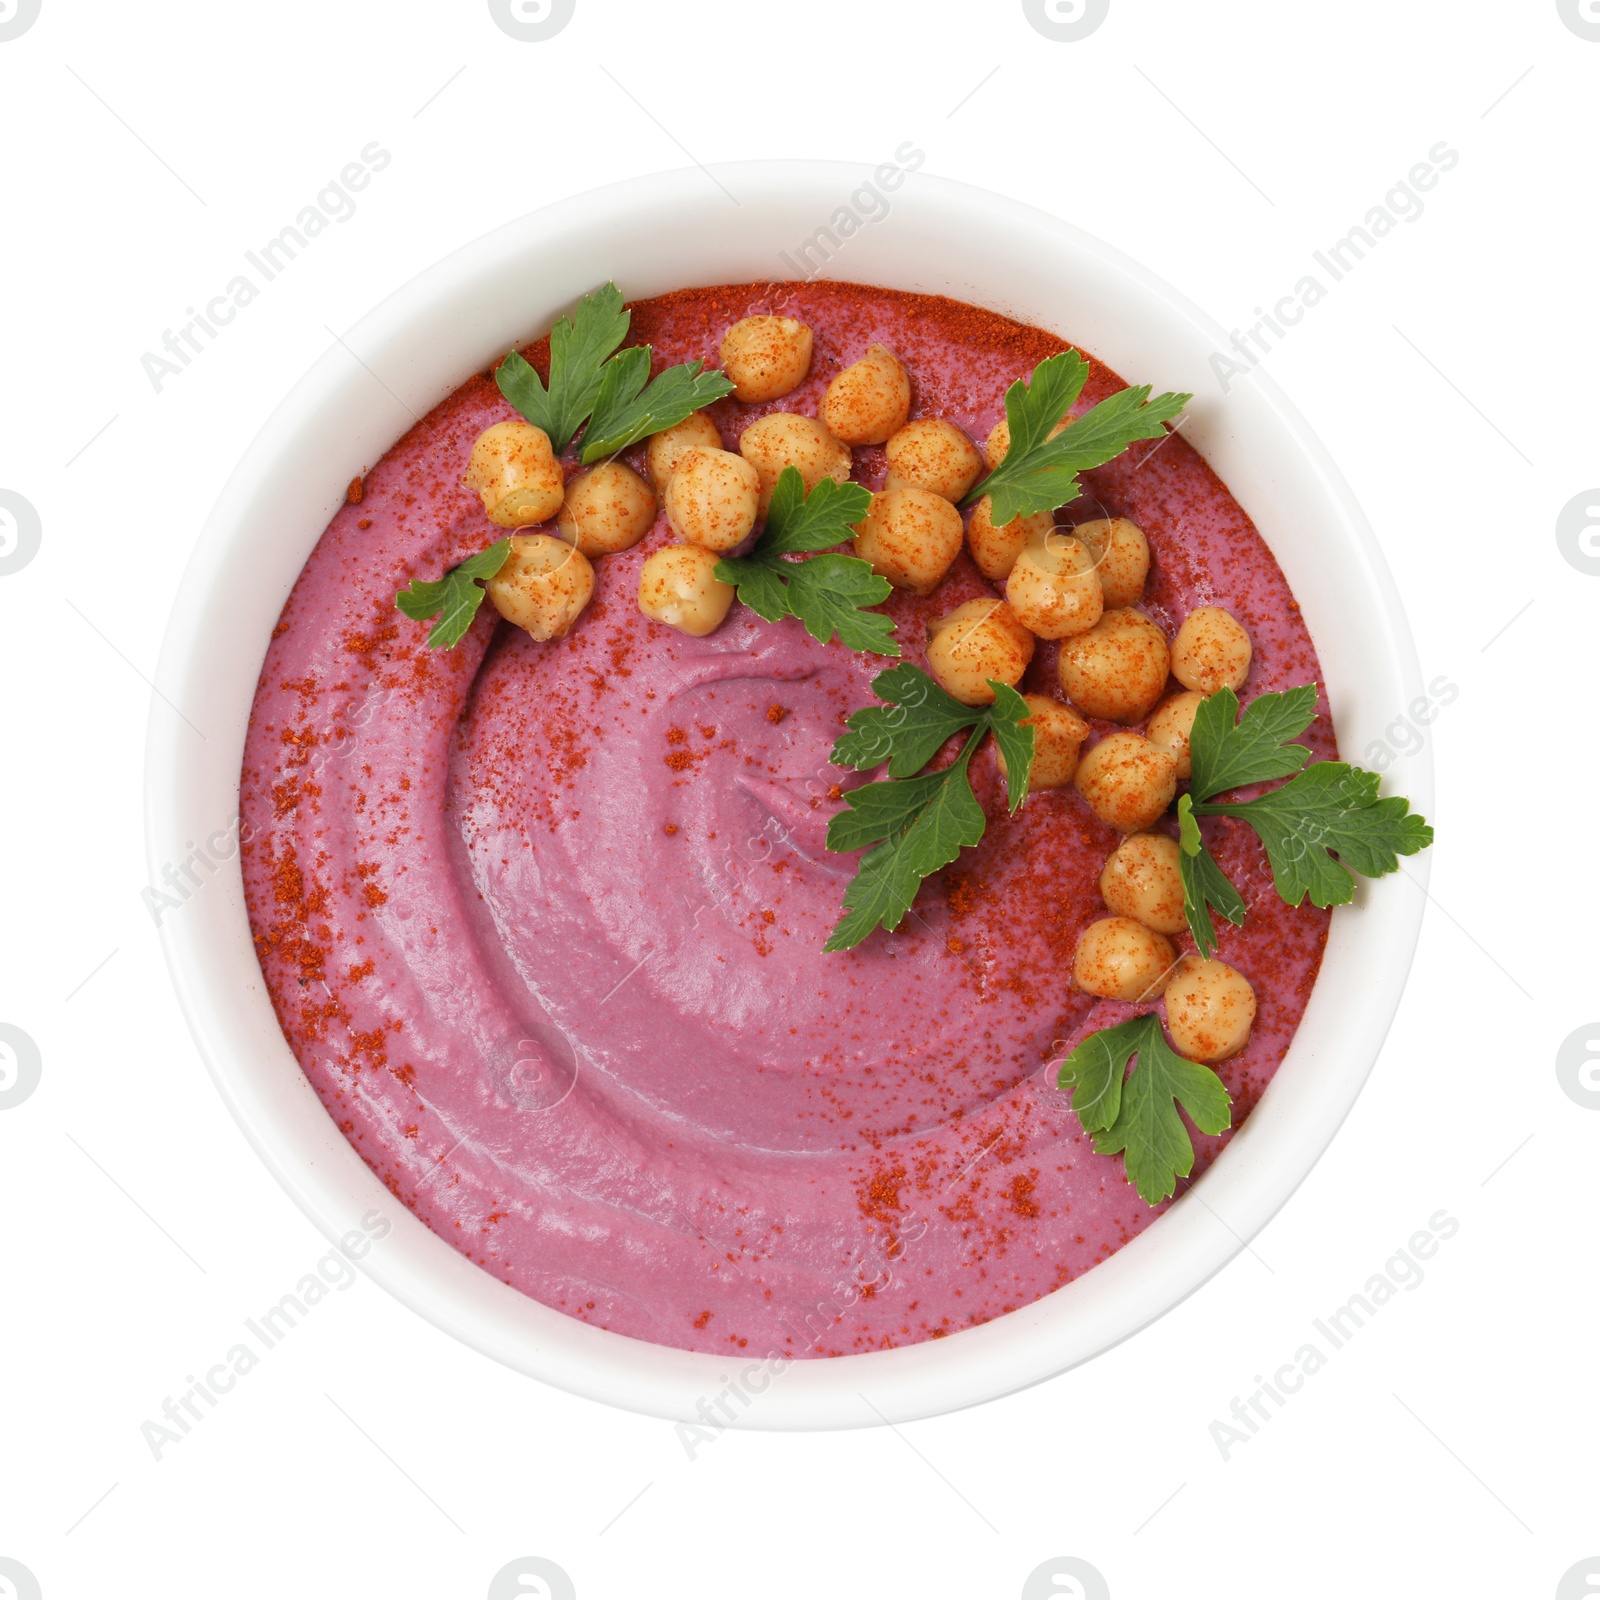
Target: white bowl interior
652, 235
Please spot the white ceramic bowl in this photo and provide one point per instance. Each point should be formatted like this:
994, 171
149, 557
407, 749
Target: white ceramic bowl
652, 235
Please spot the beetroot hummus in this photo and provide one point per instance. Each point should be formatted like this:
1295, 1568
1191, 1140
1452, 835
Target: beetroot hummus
544, 922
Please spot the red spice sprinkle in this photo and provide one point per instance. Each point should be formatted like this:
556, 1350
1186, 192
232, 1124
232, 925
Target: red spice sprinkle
363, 522
776, 713
1021, 1196
356, 490
702, 1319
671, 827
962, 894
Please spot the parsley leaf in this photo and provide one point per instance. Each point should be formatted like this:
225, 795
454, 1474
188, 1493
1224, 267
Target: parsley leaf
1227, 751
454, 599
1137, 1114
1331, 806
1006, 718
1040, 472
580, 347
918, 824
908, 732
798, 522
590, 382
1206, 887
828, 592
924, 823
627, 410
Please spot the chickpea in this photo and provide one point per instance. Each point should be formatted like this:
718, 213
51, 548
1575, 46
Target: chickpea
516, 474
1210, 1009
1120, 959
766, 357
1211, 651
995, 550
869, 400
1127, 781
1117, 669
543, 585
783, 439
607, 509
933, 454
696, 432
999, 440
678, 585
1122, 558
711, 499
1053, 588
910, 536
1058, 735
1170, 726
976, 642
1141, 880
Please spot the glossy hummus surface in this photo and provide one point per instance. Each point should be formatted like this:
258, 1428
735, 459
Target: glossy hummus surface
544, 922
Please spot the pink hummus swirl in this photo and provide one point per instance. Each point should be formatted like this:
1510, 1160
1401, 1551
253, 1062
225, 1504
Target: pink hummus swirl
544, 923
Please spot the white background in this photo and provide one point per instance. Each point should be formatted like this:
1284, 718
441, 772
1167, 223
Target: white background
1447, 1448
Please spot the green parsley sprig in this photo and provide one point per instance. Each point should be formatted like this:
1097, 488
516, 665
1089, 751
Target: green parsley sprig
1040, 472
916, 824
590, 383
828, 592
1324, 825
1319, 829
454, 599
1135, 1114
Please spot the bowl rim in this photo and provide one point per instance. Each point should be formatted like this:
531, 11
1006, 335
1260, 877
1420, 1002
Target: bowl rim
268, 1095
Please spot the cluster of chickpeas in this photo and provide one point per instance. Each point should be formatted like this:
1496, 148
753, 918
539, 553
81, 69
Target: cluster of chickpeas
713, 497
1079, 586
1130, 956
548, 579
